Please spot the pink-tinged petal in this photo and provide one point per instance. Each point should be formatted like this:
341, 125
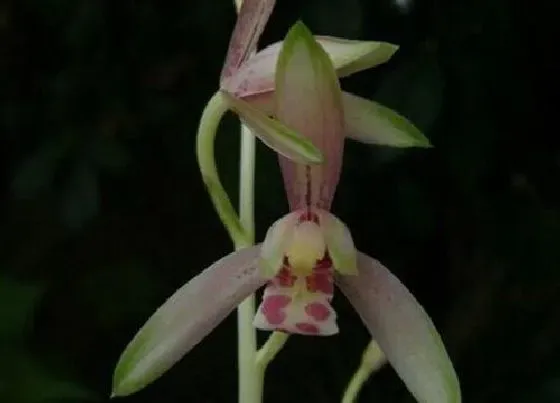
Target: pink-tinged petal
277, 239
250, 24
256, 75
339, 243
351, 56
403, 330
308, 99
282, 139
185, 319
372, 123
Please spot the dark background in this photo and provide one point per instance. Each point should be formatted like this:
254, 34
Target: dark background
103, 213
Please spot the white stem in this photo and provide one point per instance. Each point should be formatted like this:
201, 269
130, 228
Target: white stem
250, 384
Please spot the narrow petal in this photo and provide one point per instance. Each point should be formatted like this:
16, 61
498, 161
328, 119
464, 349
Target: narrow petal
404, 331
277, 239
250, 24
339, 243
372, 123
308, 98
350, 56
256, 75
185, 319
274, 134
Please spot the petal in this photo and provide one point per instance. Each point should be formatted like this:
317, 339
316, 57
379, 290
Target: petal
404, 331
339, 243
350, 56
274, 134
277, 239
256, 75
308, 98
372, 123
250, 24
185, 319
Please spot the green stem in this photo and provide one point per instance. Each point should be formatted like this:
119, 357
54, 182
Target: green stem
372, 359
209, 122
250, 384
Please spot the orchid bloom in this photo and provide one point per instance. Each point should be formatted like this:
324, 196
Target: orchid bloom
247, 86
302, 256
251, 78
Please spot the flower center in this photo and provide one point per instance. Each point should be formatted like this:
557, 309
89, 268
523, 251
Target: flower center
306, 248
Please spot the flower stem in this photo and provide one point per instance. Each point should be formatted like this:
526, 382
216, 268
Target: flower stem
209, 122
250, 384
372, 359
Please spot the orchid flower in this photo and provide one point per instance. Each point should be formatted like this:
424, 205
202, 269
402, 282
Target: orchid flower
304, 254
247, 86
252, 78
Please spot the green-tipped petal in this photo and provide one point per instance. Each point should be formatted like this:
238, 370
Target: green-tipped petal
277, 239
350, 56
256, 75
372, 123
185, 319
274, 134
309, 99
403, 330
250, 24
339, 244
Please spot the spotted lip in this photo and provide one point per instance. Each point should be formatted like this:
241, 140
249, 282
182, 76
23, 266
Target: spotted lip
300, 304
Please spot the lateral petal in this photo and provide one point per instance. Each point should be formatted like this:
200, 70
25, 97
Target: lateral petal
188, 316
404, 331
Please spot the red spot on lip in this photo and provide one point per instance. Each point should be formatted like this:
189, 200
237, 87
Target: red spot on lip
324, 263
320, 282
273, 308
285, 278
319, 312
307, 328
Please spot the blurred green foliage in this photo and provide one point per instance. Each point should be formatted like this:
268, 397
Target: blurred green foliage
104, 215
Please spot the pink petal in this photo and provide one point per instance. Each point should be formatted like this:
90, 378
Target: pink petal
256, 75
186, 318
403, 330
250, 24
309, 100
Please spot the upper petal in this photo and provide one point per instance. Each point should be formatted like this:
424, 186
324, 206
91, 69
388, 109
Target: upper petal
404, 331
185, 319
351, 56
250, 24
308, 99
256, 75
372, 123
281, 138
